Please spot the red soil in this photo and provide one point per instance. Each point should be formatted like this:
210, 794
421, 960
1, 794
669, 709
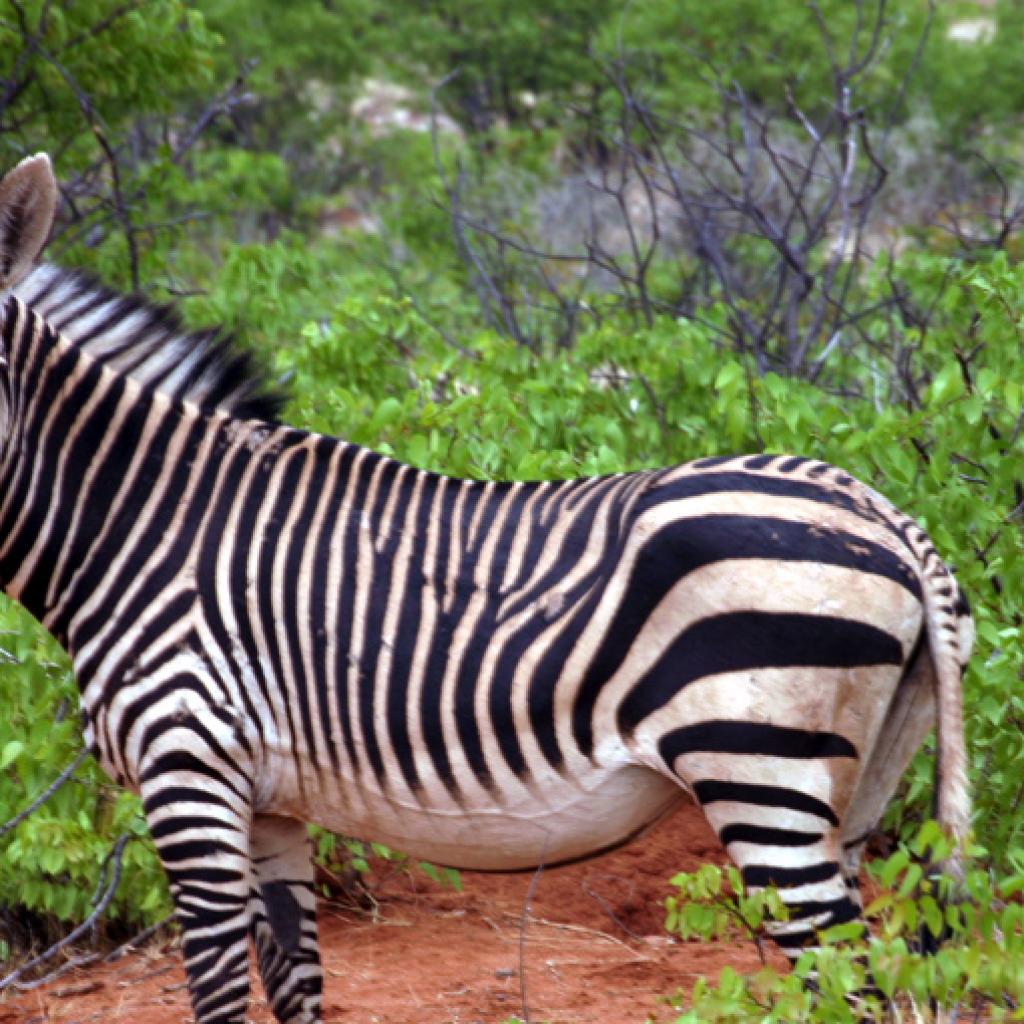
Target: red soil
593, 951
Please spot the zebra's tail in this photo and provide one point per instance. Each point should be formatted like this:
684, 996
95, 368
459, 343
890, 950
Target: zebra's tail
950, 631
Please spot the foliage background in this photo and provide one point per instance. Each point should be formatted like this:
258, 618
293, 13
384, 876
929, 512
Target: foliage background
398, 253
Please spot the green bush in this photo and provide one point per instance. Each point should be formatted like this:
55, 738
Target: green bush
774, 53
53, 859
97, 65
492, 54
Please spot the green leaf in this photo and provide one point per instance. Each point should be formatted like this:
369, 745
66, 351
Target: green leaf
947, 385
13, 749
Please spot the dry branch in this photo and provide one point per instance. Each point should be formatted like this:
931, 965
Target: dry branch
764, 218
102, 898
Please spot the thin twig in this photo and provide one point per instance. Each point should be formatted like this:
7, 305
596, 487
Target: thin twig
235, 95
45, 795
582, 930
523, 919
136, 941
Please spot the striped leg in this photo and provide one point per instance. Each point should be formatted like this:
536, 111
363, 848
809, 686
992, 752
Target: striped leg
283, 911
195, 788
789, 839
203, 844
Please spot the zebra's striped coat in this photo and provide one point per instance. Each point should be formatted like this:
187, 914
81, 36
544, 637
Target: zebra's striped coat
271, 626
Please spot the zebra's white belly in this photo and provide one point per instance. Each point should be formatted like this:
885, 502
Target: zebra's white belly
557, 822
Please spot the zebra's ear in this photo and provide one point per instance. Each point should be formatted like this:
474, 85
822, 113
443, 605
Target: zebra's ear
28, 203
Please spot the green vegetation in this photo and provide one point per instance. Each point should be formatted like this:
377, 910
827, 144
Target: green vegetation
761, 246
976, 968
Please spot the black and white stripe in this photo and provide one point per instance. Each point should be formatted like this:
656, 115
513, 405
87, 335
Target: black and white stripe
271, 626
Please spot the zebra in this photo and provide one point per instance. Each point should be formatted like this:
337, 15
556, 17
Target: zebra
271, 627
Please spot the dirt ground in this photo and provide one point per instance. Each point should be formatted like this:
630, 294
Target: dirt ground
593, 951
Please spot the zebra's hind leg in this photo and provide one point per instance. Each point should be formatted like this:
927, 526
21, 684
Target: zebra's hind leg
284, 919
908, 719
791, 840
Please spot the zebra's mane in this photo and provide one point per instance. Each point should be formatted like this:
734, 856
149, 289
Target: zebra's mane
149, 343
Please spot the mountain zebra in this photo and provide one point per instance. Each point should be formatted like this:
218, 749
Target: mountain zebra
271, 627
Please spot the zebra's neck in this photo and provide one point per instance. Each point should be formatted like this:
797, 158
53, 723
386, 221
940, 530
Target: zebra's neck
149, 343
73, 475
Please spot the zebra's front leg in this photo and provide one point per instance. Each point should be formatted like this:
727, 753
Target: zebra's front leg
283, 919
196, 791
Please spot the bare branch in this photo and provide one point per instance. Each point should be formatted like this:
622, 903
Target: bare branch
98, 129
47, 793
767, 218
235, 95
105, 891
102, 25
